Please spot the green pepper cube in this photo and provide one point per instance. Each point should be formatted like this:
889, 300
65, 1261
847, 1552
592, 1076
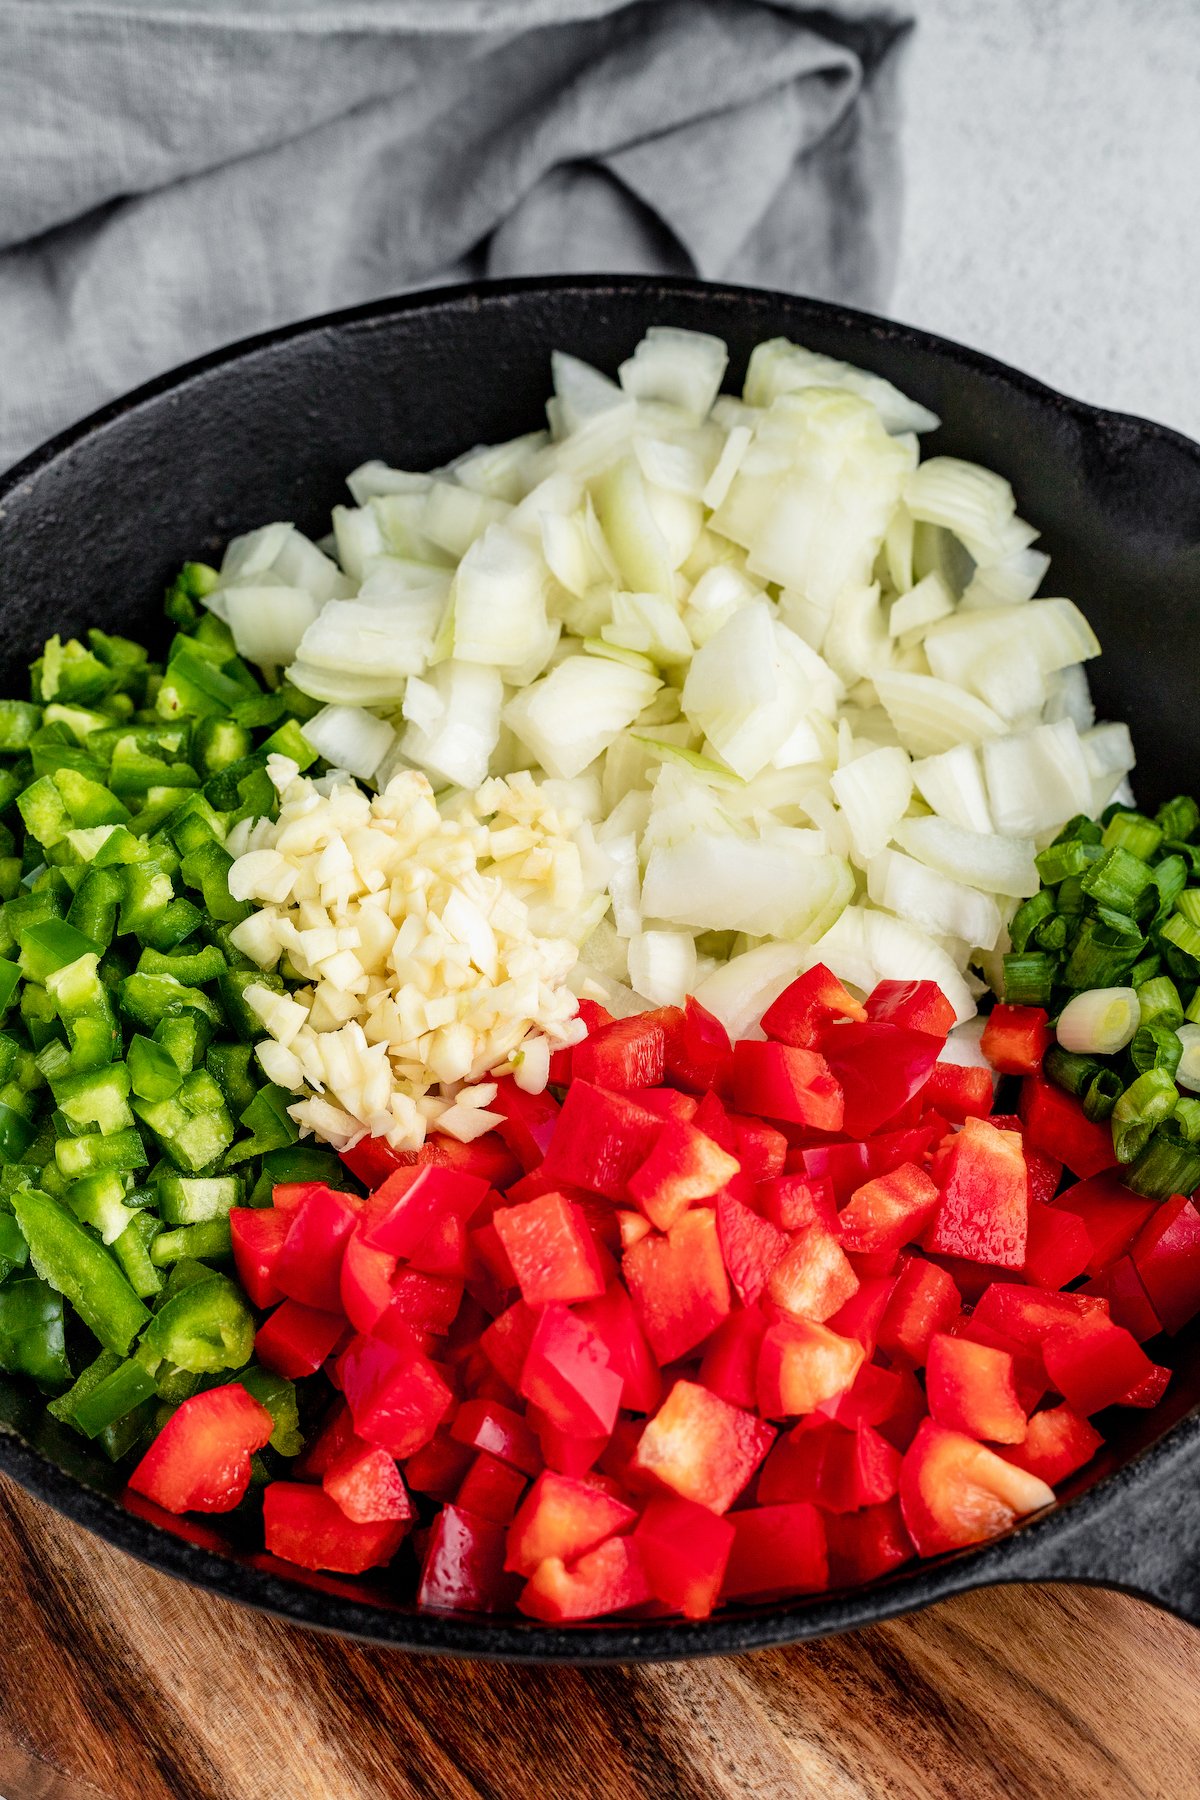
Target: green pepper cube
44, 812
194, 1200
64, 1254
132, 1251
278, 1395
99, 1201
210, 1239
88, 801
193, 1127
93, 1153
204, 1327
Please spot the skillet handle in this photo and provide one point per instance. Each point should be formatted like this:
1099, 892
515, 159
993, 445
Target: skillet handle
1138, 1532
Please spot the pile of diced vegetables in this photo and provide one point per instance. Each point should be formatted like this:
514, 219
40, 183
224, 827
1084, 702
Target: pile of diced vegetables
604, 865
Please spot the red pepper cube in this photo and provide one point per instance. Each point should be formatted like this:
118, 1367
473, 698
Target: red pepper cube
1059, 1441
838, 1167
862, 1314
550, 1249
439, 1468
1112, 1215
1150, 1389
701, 1447
684, 1551
490, 1253
446, 1249
371, 1161
760, 1148
365, 1282
793, 1201
711, 1118
633, 1228
801, 1364
866, 1545
872, 1399
1128, 1302
1166, 1255
794, 1468
614, 1320
422, 1303
699, 1055
958, 1091
1057, 1246
984, 1211
684, 1166
729, 1366
491, 1489
955, 1492
1027, 1315
600, 1140
257, 1234
607, 1580
627, 1053
396, 1397
786, 1083
528, 1121
1028, 1369
463, 1567
309, 1264
367, 1485
506, 1341
200, 1460
486, 1425
563, 1451
336, 1435
804, 1009
1094, 1363
900, 1426
750, 1246
813, 1279
303, 1525
879, 1067
1056, 1123
776, 1550
567, 1375
888, 1212
295, 1340
565, 1518
668, 1103
1016, 1038
923, 1301
411, 1204
859, 1468
970, 1389
678, 1284
917, 1005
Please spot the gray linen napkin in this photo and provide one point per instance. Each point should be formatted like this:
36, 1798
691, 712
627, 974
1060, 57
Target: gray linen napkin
177, 173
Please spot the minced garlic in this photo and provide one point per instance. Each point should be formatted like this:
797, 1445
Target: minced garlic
434, 948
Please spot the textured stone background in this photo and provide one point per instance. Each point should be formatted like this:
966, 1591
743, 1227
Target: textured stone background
1052, 152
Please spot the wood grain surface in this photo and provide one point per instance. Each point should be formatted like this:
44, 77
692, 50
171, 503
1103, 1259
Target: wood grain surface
119, 1684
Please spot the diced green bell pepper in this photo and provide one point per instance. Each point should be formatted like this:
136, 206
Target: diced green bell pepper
193, 1127
203, 1327
278, 1395
194, 1200
211, 1240
76, 1266
132, 1251
92, 1154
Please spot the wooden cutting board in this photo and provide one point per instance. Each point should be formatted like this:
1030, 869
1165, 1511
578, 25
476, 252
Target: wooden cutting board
118, 1684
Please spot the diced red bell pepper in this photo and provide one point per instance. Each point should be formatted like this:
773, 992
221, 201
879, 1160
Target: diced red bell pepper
1128, 1302
813, 1278
566, 1373
923, 1301
794, 1467
684, 1550
565, 1518
491, 1489
760, 1149
1028, 1315
1150, 1390
528, 1121
492, 1258
888, 1212
336, 1435
593, 1015
303, 1525
551, 1250
917, 1005
776, 1550
786, 1083
1058, 1442
563, 1451
802, 1363
615, 1322
864, 1546
712, 1118
699, 1055
601, 1139
200, 1460
668, 1103
1112, 1215
257, 1234
1016, 1038
367, 1485
879, 1068
295, 1340
628, 1053
420, 1303
859, 1468
1056, 1123
608, 1579
1028, 1371
985, 1198
439, 1468
1057, 1246
871, 1400
446, 1249
506, 1341
396, 1397
308, 1265
804, 1009
794, 1201
486, 1425
365, 1282
487, 1159
958, 1091
371, 1160
862, 1314
634, 1226
955, 1492
751, 1247
1094, 1363
678, 1284
463, 1570
408, 1207
701, 1447
1166, 1255
684, 1166
970, 1389
729, 1366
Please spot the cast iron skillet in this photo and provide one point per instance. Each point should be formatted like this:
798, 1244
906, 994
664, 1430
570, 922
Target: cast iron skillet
93, 525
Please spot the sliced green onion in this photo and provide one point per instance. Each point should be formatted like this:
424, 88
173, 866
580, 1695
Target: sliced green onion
1057, 861
1170, 878
1145, 969
1071, 897
1169, 1164
1187, 1070
1181, 932
1118, 880
1028, 978
1191, 1011
1155, 1046
1086, 830
1099, 1022
1178, 818
1188, 903
1069, 1070
1101, 953
1029, 917
1052, 934
1134, 832
1159, 1002
1102, 1095
1144, 1105
1186, 1120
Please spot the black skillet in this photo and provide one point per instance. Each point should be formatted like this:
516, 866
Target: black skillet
93, 525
